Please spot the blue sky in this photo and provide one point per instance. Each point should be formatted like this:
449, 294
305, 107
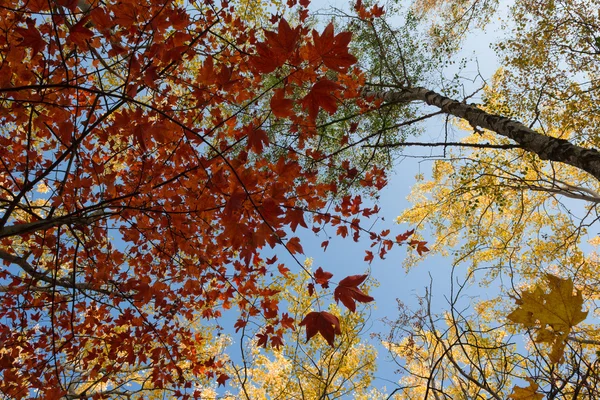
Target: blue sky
344, 257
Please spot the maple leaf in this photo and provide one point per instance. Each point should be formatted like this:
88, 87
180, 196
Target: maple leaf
322, 277
402, 237
276, 341
235, 202
271, 261
348, 292
295, 217
321, 96
239, 324
277, 48
282, 269
287, 321
342, 231
281, 107
263, 339
222, 379
527, 393
559, 310
419, 245
333, 49
328, 325
293, 245
79, 33
31, 37
257, 139
377, 11
283, 42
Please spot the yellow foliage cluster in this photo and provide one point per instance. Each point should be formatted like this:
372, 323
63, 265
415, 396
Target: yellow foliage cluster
313, 369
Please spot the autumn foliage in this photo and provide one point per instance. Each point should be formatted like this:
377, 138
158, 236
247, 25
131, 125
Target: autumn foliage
162, 165
142, 177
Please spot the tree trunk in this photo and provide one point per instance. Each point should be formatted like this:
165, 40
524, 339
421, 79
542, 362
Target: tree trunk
546, 147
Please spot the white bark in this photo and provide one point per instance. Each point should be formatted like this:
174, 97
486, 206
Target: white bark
546, 147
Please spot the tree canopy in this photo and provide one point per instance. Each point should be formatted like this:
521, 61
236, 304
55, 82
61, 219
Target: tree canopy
164, 162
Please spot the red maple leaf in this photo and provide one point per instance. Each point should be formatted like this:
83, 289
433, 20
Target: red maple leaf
276, 341
263, 339
320, 96
239, 324
348, 292
222, 379
235, 202
419, 245
333, 49
281, 107
285, 40
293, 245
401, 238
295, 217
322, 277
342, 231
328, 325
377, 11
282, 269
287, 321
277, 48
31, 37
79, 34
257, 139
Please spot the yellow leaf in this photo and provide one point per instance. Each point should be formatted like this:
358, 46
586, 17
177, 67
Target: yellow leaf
528, 393
559, 310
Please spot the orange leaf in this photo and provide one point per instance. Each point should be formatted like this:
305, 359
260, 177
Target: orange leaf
282, 269
293, 245
377, 11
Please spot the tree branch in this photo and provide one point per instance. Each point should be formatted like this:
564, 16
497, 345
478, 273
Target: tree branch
444, 144
22, 229
546, 147
31, 271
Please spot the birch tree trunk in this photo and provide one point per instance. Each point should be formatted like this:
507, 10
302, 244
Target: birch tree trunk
546, 147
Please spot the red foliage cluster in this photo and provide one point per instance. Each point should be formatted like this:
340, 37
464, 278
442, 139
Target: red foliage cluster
147, 124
